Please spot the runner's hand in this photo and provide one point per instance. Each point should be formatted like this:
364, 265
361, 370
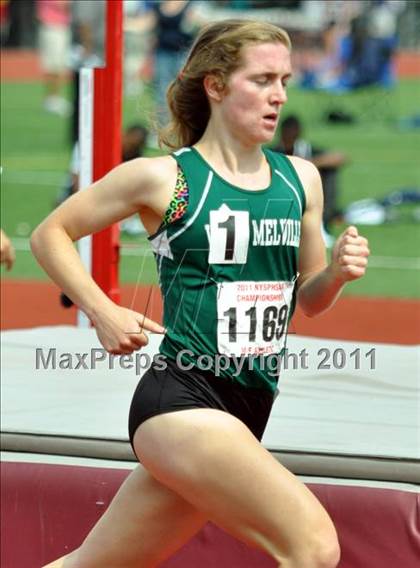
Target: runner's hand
350, 255
7, 251
122, 331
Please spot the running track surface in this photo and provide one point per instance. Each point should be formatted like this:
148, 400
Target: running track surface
26, 303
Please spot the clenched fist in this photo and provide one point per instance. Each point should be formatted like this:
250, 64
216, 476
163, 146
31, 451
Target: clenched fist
7, 251
350, 255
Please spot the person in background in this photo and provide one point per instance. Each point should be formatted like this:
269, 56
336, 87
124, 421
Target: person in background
319, 71
175, 24
134, 142
328, 163
54, 50
87, 47
137, 28
4, 21
133, 145
7, 251
367, 51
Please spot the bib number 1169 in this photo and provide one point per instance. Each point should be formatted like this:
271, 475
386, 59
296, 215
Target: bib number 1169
252, 317
273, 323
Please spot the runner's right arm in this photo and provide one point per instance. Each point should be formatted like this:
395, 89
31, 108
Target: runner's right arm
124, 191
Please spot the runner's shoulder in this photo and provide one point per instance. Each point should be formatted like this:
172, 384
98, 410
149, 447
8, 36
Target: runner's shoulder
154, 172
306, 170
147, 179
309, 177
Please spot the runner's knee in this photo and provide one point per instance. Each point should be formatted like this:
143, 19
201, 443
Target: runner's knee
325, 551
318, 550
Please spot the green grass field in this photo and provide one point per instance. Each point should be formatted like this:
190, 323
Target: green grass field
35, 155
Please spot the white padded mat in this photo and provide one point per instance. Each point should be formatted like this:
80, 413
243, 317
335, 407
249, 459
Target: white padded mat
371, 411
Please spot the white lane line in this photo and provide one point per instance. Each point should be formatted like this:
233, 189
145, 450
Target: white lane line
132, 249
402, 263
35, 177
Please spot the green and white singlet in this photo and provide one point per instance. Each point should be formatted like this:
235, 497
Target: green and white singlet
227, 268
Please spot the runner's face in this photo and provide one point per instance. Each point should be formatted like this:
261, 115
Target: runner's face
256, 93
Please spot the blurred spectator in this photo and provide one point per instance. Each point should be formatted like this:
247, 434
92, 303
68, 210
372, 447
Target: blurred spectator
134, 142
367, 51
4, 21
175, 23
7, 251
327, 162
319, 72
362, 56
133, 145
88, 44
22, 27
89, 32
138, 24
54, 49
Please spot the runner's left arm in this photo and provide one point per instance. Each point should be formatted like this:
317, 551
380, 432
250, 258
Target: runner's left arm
319, 283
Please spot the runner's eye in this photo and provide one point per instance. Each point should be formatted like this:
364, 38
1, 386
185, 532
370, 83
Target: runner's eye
262, 80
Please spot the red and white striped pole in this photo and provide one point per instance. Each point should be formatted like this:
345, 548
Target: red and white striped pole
100, 144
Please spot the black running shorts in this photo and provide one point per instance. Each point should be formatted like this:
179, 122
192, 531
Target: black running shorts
172, 389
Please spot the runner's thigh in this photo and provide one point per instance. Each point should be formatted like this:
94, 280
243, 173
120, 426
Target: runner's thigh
212, 459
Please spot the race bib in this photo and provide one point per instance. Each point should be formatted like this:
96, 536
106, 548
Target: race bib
252, 317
